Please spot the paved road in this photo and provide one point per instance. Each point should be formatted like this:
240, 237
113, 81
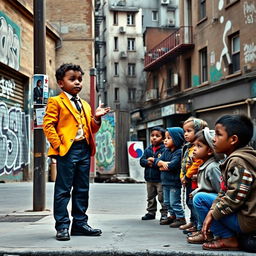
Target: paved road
115, 208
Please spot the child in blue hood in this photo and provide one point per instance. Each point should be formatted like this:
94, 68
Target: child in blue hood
169, 164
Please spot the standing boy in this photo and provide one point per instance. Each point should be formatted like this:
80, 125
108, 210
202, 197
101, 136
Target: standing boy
169, 165
152, 174
69, 127
233, 210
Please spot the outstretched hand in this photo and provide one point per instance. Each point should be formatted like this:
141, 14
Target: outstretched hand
101, 111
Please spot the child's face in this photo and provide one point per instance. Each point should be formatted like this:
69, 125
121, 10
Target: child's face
168, 142
156, 138
201, 151
189, 132
71, 82
222, 143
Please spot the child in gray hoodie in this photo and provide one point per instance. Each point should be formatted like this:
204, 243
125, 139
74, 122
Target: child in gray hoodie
208, 176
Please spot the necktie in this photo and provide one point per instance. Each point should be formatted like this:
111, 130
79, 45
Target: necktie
76, 103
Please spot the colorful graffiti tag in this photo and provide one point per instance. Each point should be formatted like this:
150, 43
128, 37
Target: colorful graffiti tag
9, 42
105, 144
14, 139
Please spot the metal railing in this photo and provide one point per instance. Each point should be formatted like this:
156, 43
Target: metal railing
182, 36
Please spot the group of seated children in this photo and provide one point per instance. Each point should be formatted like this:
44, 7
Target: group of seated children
217, 171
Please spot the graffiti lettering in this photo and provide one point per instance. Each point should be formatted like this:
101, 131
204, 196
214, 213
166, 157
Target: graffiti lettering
105, 154
9, 45
249, 12
249, 52
14, 139
7, 87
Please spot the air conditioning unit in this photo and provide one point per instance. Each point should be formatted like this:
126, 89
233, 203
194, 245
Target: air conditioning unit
165, 1
151, 94
170, 22
175, 79
123, 55
121, 30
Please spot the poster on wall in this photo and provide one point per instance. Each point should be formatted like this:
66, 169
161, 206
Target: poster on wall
135, 152
38, 118
41, 89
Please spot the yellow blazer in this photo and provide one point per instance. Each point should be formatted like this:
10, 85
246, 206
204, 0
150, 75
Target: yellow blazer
61, 122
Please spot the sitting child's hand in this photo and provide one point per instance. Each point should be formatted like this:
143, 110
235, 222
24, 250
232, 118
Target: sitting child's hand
190, 196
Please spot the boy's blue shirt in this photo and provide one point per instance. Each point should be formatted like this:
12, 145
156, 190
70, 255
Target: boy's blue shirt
171, 177
151, 174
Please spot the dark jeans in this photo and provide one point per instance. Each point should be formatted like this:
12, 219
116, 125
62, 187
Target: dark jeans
189, 202
72, 172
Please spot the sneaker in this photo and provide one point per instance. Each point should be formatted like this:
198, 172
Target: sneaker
186, 226
178, 222
163, 217
167, 221
148, 216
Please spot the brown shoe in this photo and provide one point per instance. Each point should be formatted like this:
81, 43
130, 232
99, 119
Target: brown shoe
186, 226
178, 222
199, 238
168, 220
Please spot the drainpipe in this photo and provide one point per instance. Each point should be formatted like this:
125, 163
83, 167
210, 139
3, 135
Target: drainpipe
92, 103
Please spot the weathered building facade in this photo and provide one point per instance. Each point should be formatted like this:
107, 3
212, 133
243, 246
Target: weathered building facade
16, 97
74, 21
206, 68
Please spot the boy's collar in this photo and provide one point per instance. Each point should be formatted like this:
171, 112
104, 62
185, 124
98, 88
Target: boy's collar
70, 96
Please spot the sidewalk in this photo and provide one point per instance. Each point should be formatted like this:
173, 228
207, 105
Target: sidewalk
115, 208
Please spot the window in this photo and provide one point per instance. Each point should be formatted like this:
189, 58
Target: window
203, 65
116, 94
188, 73
202, 9
130, 19
235, 54
131, 44
131, 94
154, 15
115, 18
131, 69
105, 98
155, 81
116, 43
116, 69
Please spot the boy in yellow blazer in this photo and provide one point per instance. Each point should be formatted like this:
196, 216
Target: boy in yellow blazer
69, 127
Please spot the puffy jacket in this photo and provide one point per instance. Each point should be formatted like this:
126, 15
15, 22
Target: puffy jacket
151, 174
171, 177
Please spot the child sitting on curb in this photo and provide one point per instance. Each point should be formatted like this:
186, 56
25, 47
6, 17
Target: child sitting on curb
208, 176
233, 210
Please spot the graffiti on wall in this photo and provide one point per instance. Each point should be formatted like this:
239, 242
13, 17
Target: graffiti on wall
14, 139
249, 12
228, 26
215, 74
7, 87
249, 53
105, 145
9, 42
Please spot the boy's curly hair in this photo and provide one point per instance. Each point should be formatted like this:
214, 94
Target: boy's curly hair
61, 71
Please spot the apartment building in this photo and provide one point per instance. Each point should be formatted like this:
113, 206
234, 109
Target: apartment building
120, 29
206, 68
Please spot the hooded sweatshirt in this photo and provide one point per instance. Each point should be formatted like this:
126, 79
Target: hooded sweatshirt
171, 176
238, 189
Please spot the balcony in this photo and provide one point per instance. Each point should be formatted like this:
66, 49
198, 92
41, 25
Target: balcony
176, 44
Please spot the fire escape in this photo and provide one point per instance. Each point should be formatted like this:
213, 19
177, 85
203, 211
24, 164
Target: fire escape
99, 44
176, 44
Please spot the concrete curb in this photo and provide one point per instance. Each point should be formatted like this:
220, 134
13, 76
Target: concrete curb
68, 252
